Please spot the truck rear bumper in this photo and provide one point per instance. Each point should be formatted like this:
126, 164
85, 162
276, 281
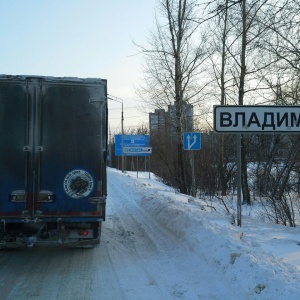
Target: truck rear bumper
49, 244
50, 233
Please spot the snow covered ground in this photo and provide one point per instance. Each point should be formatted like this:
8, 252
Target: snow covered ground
158, 244
255, 261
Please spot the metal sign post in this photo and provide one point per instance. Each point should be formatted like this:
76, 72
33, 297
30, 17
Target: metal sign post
192, 141
239, 181
138, 151
193, 174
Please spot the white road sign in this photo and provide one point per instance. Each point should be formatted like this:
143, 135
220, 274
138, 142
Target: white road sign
256, 118
137, 150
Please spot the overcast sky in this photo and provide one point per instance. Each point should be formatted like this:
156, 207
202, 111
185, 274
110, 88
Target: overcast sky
79, 38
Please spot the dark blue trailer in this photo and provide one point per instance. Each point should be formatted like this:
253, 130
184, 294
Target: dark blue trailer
53, 144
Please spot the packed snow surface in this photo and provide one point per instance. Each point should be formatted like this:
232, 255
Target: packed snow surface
159, 244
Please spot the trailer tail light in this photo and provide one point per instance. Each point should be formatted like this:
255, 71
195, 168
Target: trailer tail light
84, 233
81, 234
17, 196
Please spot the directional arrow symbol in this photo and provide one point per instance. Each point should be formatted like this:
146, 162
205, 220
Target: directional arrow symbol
190, 145
191, 140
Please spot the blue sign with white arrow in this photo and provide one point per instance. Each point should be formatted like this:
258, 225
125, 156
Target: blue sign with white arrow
191, 141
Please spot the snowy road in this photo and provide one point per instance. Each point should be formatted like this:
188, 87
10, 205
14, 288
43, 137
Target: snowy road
137, 259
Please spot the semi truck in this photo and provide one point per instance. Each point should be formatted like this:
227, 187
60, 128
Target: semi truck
53, 149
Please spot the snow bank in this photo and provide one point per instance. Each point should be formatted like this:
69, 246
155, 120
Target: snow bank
243, 255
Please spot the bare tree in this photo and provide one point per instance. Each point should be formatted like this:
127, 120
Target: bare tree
240, 62
221, 30
282, 22
172, 66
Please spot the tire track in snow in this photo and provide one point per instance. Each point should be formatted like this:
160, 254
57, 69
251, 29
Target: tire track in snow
61, 274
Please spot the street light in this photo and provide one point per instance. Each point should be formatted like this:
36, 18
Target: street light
122, 126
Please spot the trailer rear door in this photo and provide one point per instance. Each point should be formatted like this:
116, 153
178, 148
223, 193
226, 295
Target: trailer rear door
53, 147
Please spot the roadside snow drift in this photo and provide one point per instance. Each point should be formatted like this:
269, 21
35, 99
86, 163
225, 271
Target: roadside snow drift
258, 260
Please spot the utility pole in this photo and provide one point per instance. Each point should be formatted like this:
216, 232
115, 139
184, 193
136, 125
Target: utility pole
122, 127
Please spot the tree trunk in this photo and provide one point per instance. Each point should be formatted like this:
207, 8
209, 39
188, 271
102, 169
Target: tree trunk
244, 173
177, 47
221, 167
245, 186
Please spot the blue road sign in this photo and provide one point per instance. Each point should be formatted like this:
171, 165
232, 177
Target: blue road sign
131, 140
191, 141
